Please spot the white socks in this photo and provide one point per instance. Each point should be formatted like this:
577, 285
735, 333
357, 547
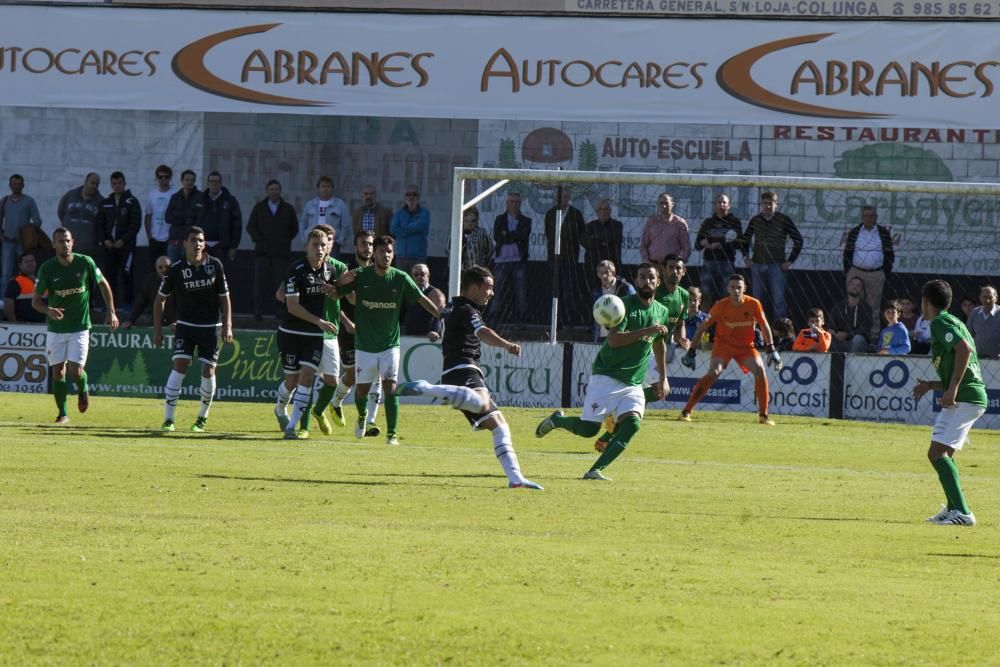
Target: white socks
503, 447
342, 391
281, 404
374, 396
171, 393
300, 400
207, 394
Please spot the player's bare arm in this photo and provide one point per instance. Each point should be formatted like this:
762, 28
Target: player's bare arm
493, 339
295, 309
963, 352
430, 306
679, 337
280, 293
39, 305
346, 323
158, 319
227, 318
660, 357
924, 386
109, 302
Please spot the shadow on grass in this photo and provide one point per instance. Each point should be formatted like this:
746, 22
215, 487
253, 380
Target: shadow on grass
122, 431
746, 518
343, 482
964, 555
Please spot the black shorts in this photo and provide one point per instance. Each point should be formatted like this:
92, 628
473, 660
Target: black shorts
298, 350
205, 339
472, 378
346, 343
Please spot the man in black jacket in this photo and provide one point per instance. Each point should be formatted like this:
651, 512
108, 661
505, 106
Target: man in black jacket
868, 256
718, 240
272, 226
851, 320
511, 234
119, 220
218, 213
571, 293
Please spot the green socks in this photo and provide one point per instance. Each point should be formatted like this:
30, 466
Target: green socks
324, 397
59, 391
81, 384
626, 429
650, 395
577, 426
362, 404
948, 474
391, 413
306, 416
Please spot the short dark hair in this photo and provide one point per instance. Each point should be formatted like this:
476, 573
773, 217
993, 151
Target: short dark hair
15, 177
324, 179
164, 169
672, 257
815, 312
60, 230
363, 234
769, 195
116, 175
21, 257
736, 276
650, 265
783, 327
385, 239
937, 293
271, 182
189, 171
214, 173
891, 303
192, 230
473, 210
474, 275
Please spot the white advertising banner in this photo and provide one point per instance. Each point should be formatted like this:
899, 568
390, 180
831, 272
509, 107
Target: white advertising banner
593, 69
23, 365
802, 387
878, 388
826, 9
533, 380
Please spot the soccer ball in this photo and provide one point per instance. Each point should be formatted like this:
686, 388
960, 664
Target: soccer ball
609, 311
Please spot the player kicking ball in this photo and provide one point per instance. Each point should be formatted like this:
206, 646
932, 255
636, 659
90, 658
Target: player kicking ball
463, 384
615, 385
734, 319
67, 278
953, 355
199, 281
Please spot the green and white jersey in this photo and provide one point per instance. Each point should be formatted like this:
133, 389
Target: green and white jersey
379, 301
676, 303
69, 289
331, 307
628, 364
946, 331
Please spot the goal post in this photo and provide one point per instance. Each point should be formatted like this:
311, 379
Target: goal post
939, 229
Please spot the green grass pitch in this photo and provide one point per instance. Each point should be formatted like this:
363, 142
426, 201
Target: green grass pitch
719, 542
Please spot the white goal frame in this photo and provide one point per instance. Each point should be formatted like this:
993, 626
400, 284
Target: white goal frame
506, 176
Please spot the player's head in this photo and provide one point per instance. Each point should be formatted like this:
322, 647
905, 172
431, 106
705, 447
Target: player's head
736, 287
316, 245
194, 243
814, 317
385, 248
673, 269
324, 187
162, 265
477, 285
331, 236
768, 202
935, 298
364, 245
606, 273
891, 311
647, 279
988, 297
62, 241
117, 182
26, 264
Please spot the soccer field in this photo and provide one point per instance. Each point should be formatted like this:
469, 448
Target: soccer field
719, 542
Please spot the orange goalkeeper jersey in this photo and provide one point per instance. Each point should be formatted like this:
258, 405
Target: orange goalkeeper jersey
734, 323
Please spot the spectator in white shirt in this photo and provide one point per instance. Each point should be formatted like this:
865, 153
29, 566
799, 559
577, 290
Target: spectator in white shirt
868, 256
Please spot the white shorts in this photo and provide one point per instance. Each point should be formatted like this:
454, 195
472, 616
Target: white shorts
370, 366
62, 347
952, 426
330, 362
606, 395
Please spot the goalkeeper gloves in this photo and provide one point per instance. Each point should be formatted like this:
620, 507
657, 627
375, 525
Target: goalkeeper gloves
689, 358
773, 358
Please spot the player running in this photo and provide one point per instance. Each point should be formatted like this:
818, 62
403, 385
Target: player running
199, 281
675, 299
734, 320
364, 248
463, 384
381, 292
615, 385
67, 278
300, 336
954, 357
